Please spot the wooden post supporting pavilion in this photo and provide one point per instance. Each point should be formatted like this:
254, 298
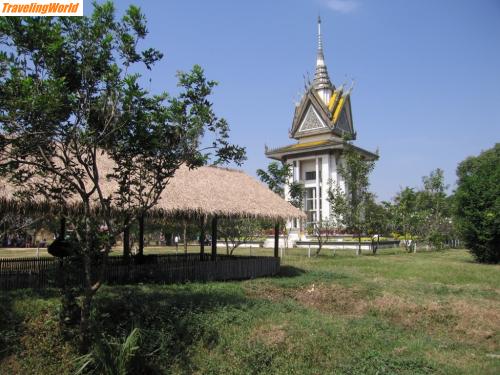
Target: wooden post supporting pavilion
62, 230
184, 235
202, 237
126, 242
276, 238
62, 275
141, 234
214, 237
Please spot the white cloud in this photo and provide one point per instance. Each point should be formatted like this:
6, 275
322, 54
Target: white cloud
342, 6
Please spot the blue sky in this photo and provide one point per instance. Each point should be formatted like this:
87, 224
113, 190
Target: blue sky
427, 72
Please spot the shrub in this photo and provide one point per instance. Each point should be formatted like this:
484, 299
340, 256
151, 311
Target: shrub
109, 357
477, 201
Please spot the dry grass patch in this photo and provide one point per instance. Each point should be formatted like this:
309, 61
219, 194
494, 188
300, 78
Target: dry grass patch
269, 334
268, 292
465, 320
333, 298
406, 312
10, 365
479, 323
469, 321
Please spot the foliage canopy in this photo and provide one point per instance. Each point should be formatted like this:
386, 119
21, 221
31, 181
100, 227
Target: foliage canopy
477, 200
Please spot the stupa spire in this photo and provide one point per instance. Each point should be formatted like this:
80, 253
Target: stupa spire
320, 58
321, 78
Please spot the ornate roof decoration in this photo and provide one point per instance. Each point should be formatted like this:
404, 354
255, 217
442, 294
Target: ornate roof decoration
335, 121
309, 148
311, 120
323, 109
322, 117
321, 78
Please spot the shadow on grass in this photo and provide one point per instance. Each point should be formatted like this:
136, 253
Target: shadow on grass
11, 322
172, 319
8, 320
290, 271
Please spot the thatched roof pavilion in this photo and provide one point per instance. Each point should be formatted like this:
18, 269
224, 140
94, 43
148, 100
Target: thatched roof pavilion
202, 192
224, 192
205, 191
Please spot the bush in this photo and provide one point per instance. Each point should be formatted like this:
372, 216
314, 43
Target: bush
109, 357
477, 201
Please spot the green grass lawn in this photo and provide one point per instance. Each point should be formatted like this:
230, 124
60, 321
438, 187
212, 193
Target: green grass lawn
20, 252
394, 313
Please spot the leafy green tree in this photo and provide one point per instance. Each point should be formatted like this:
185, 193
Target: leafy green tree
408, 219
348, 205
296, 194
477, 200
434, 206
275, 177
237, 231
424, 215
377, 220
67, 97
322, 230
339, 205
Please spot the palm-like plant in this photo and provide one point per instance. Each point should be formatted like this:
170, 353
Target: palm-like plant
110, 358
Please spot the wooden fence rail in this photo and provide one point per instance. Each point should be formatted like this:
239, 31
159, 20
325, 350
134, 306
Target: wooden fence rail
16, 273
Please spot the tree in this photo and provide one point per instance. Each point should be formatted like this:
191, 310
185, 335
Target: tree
424, 215
377, 220
296, 194
68, 100
477, 198
408, 220
349, 203
433, 205
276, 177
323, 231
237, 231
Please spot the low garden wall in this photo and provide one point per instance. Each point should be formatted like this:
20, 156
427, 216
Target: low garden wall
348, 245
246, 244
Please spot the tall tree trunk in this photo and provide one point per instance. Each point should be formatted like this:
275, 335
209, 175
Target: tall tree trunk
86, 308
359, 244
406, 240
320, 245
85, 326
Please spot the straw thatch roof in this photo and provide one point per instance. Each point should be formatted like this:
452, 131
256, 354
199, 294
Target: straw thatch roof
203, 191
33, 202
225, 192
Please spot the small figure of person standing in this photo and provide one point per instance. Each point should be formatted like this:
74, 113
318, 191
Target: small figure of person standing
176, 240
